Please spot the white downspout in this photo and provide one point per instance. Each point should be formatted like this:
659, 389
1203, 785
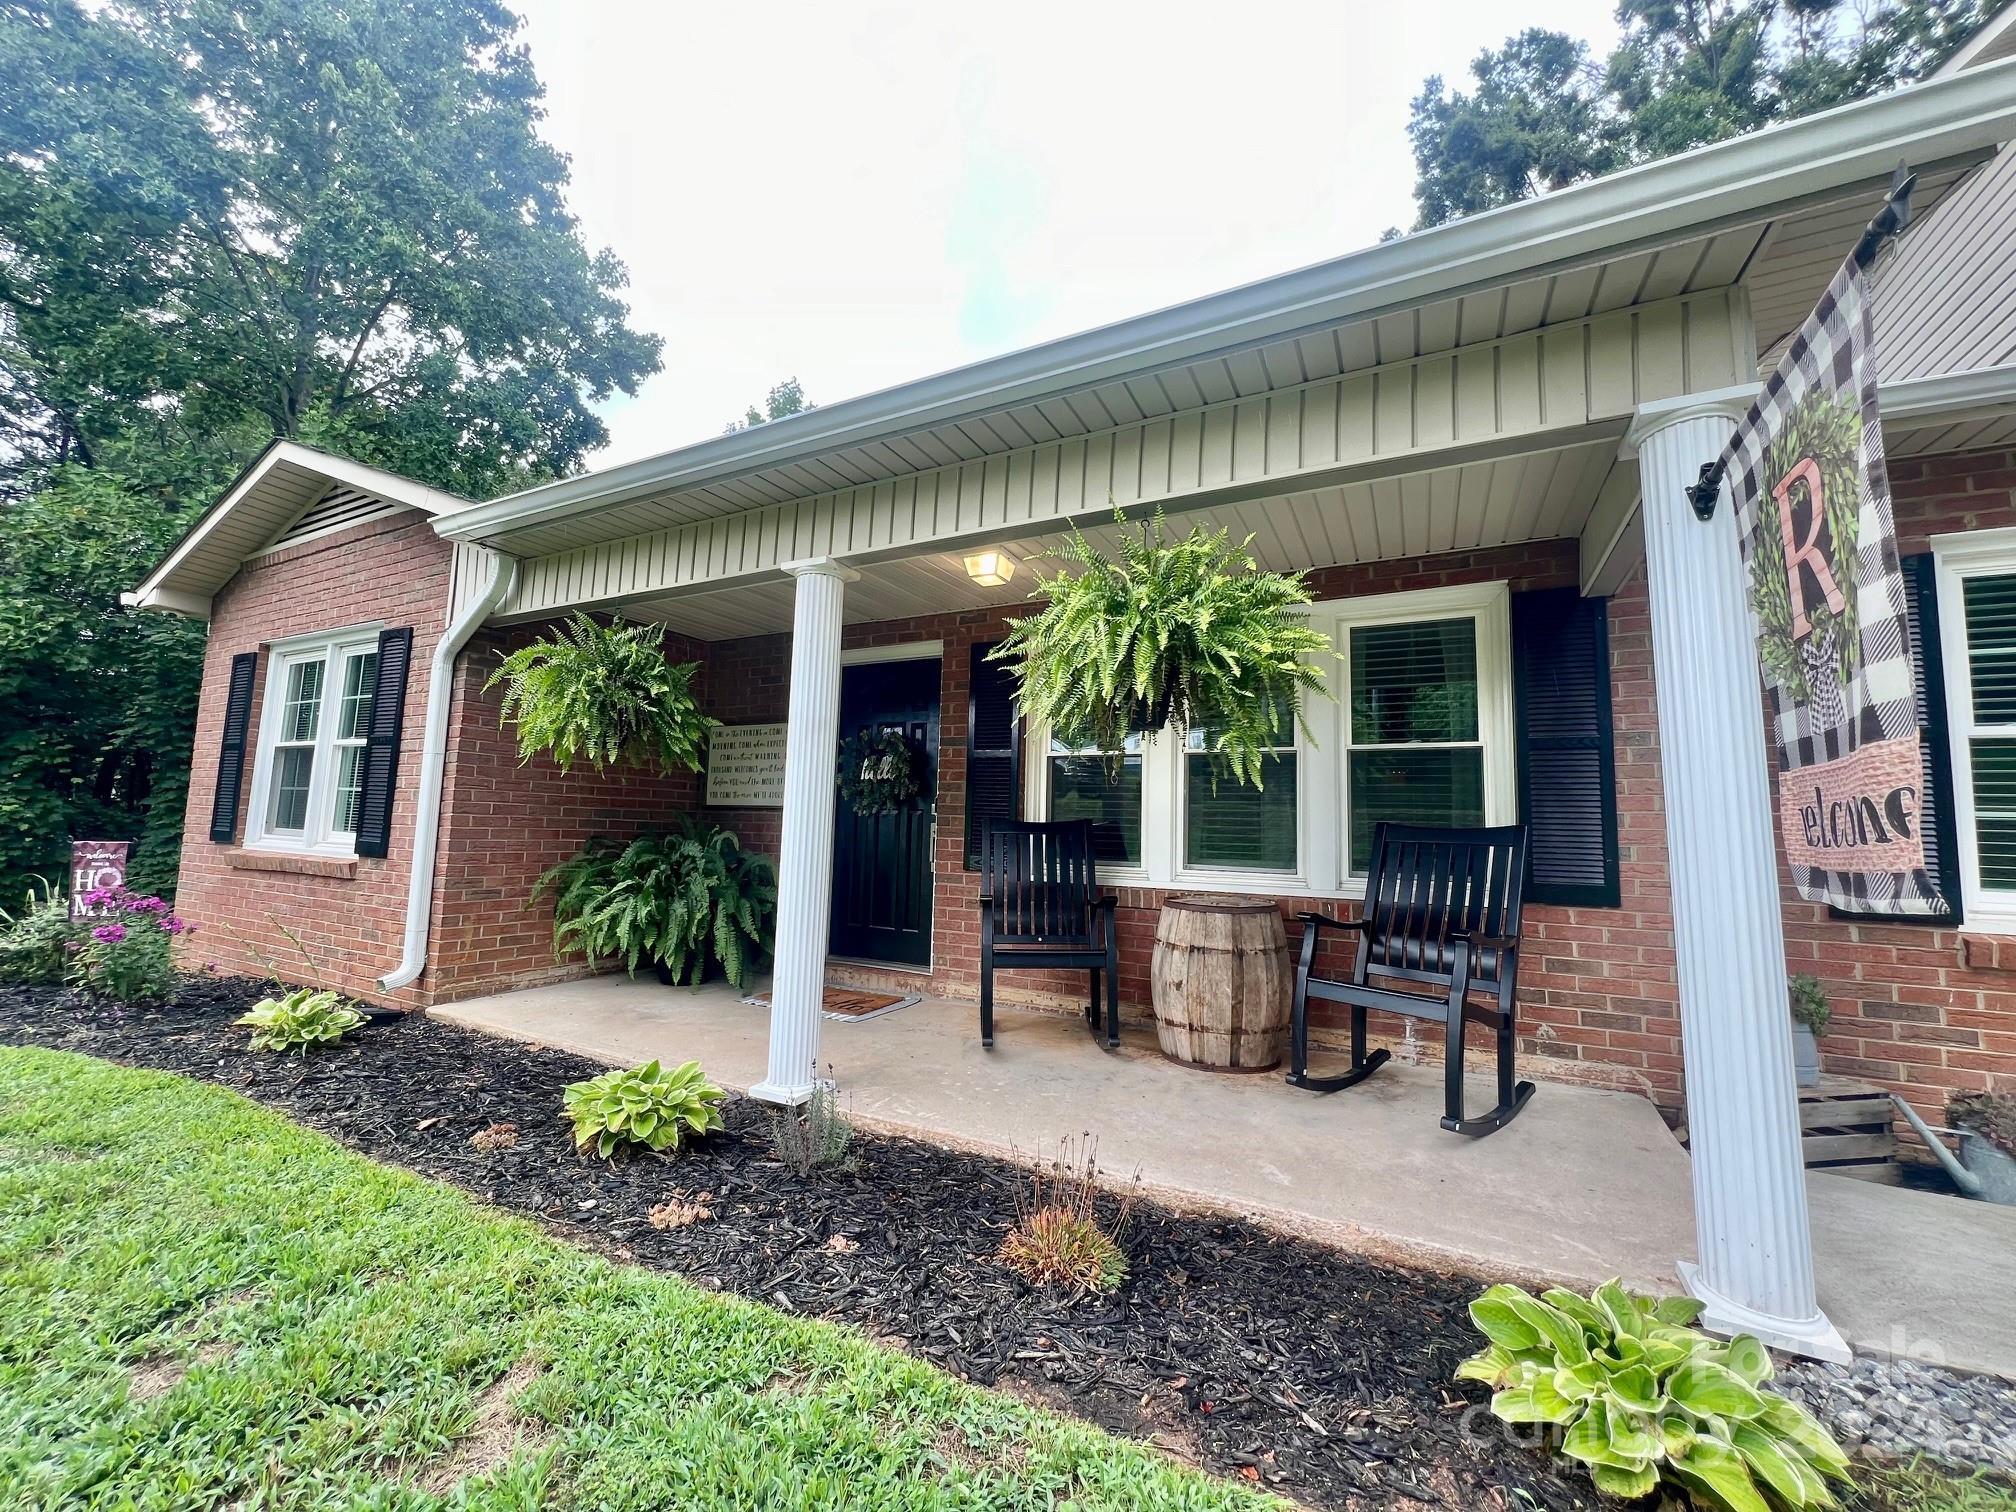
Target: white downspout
433, 759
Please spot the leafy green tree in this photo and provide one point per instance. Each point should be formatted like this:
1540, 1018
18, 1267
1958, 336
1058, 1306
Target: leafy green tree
786, 398
1542, 113
225, 221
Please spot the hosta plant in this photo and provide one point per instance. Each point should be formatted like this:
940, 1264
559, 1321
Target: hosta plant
300, 1020
1630, 1389
604, 693
1169, 634
647, 1106
677, 900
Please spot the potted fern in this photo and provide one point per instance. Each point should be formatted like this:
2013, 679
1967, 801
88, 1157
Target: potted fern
683, 901
604, 692
1168, 634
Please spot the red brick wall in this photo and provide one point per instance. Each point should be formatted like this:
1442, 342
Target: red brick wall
394, 571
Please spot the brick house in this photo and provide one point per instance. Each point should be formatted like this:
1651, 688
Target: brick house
1474, 441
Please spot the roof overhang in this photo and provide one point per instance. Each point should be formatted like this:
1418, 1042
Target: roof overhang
1801, 163
1993, 41
282, 482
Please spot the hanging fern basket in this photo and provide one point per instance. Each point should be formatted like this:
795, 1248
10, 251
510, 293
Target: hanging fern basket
1169, 634
879, 772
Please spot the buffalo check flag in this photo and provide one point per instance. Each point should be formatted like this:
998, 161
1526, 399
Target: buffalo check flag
1828, 607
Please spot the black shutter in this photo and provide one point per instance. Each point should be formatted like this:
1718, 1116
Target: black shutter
231, 756
381, 742
1567, 748
993, 749
1935, 752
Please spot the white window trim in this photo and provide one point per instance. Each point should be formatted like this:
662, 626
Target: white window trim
1322, 797
1955, 558
318, 839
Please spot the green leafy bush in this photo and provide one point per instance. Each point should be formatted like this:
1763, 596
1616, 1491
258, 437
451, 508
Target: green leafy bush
1809, 1002
679, 899
127, 954
606, 693
1641, 1397
303, 1018
1190, 633
648, 1106
35, 939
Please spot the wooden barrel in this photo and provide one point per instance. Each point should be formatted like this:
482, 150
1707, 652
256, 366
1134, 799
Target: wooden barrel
1222, 981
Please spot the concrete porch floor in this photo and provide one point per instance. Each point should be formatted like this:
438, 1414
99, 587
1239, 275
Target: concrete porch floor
1584, 1185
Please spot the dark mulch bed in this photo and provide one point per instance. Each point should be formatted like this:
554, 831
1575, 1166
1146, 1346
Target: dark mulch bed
1319, 1374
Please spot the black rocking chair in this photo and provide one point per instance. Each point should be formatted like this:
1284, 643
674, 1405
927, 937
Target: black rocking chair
1040, 907
1441, 909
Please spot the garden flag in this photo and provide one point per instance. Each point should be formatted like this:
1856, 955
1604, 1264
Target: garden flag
1827, 601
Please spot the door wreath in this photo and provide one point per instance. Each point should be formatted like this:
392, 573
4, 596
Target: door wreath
878, 772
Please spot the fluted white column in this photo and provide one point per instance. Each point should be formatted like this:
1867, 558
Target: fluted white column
805, 864
1755, 1271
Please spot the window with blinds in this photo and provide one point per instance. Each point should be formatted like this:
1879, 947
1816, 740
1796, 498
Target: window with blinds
1415, 753
1089, 785
1989, 614
1229, 824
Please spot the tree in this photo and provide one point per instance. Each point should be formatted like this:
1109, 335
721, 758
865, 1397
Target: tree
224, 221
786, 398
1543, 114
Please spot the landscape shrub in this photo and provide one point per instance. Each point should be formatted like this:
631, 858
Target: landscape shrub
125, 953
1059, 1239
647, 1106
35, 939
300, 1020
1625, 1385
814, 1136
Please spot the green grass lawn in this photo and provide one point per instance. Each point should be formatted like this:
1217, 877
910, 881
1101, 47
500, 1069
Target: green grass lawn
203, 1305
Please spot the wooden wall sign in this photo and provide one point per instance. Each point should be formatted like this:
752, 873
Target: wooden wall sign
745, 766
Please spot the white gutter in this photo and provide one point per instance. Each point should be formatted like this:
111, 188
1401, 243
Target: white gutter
433, 758
1727, 184
1948, 397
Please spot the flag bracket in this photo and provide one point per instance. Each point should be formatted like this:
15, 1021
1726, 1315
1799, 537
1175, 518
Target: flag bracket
1706, 490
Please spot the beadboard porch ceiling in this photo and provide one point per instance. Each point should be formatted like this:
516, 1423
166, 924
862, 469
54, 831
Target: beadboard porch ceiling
1536, 496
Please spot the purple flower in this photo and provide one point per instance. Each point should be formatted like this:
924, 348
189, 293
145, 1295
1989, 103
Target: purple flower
98, 897
146, 905
173, 924
109, 934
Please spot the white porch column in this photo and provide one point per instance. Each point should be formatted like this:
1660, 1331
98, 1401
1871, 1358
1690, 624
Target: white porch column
805, 865
1755, 1271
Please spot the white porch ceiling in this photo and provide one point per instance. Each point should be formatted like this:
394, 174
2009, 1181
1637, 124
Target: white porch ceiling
1535, 496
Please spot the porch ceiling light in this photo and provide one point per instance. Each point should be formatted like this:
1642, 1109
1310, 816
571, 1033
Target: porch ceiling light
990, 569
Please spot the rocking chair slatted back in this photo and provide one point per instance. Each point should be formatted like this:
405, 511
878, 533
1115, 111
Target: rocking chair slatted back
1429, 885
1042, 882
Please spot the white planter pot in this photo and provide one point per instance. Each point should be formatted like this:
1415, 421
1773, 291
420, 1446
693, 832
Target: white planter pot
1805, 1056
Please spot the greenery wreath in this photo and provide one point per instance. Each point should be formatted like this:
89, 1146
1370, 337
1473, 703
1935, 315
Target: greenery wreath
878, 772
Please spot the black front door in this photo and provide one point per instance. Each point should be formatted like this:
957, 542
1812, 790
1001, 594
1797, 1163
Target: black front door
882, 862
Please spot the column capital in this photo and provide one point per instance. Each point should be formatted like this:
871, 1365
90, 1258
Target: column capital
819, 566
1656, 415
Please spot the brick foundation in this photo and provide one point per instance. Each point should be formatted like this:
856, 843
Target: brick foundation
1919, 1009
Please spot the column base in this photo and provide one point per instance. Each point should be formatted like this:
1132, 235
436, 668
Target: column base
785, 1097
1812, 1338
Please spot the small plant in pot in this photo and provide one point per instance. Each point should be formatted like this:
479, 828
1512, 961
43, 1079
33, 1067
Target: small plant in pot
1809, 1021
1168, 634
681, 901
1986, 1122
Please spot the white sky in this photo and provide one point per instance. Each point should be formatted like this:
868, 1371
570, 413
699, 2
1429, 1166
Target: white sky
865, 193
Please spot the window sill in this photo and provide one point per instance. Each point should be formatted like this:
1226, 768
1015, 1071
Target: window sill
294, 863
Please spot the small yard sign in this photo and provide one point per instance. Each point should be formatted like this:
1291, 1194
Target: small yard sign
745, 766
94, 864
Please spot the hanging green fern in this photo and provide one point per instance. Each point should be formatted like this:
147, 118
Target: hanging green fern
1172, 634
677, 899
606, 693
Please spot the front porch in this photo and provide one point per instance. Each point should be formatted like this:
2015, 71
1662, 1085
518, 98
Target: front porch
1587, 1184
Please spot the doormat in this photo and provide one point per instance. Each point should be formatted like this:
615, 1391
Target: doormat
850, 1004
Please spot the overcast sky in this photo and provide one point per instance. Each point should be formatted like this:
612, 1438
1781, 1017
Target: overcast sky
864, 193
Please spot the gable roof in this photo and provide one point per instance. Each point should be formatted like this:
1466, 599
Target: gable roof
284, 483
